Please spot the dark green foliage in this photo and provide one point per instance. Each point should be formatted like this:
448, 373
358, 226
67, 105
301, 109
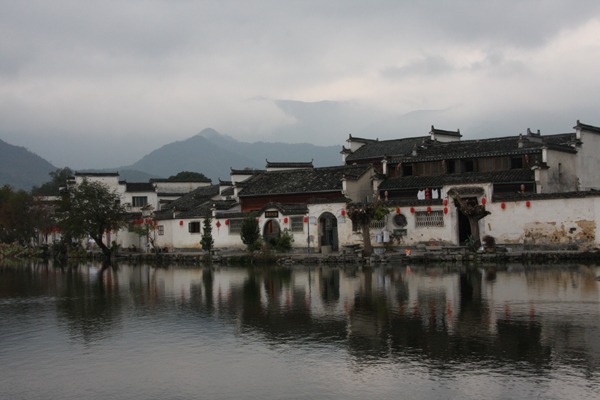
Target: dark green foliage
250, 232
59, 178
188, 176
284, 242
207, 240
21, 215
90, 209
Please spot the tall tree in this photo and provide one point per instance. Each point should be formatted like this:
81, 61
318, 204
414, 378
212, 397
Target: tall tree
250, 232
474, 212
188, 176
90, 208
17, 219
59, 179
207, 240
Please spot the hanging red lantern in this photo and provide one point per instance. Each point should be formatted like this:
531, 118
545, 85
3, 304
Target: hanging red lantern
226, 222
155, 223
523, 188
134, 222
305, 219
428, 209
256, 219
180, 223
528, 204
398, 210
445, 202
218, 224
483, 201
412, 210
343, 212
503, 206
285, 220
445, 210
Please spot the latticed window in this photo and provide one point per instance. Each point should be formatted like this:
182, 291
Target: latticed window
194, 227
424, 219
377, 224
161, 230
297, 224
235, 226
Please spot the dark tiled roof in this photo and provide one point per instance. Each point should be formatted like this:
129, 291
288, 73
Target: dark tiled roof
200, 210
181, 180
247, 171
329, 200
445, 133
433, 151
289, 164
287, 209
400, 150
589, 128
227, 192
375, 149
225, 183
431, 181
328, 179
544, 196
140, 187
96, 174
193, 198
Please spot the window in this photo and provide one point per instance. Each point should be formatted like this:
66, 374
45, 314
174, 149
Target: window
161, 230
355, 227
235, 226
407, 169
516, 162
450, 166
423, 219
139, 201
377, 224
468, 166
194, 227
297, 224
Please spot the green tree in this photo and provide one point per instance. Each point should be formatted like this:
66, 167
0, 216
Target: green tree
18, 217
188, 176
207, 240
90, 208
59, 179
250, 232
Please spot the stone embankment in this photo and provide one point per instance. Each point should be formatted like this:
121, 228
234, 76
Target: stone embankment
417, 257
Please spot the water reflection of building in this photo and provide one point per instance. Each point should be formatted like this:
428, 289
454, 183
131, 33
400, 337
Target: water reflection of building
532, 317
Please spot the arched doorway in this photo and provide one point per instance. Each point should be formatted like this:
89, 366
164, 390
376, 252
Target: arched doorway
271, 231
328, 232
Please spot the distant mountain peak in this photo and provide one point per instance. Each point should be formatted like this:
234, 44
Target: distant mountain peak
211, 134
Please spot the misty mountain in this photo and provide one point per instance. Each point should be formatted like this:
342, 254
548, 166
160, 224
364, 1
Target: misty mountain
21, 168
214, 154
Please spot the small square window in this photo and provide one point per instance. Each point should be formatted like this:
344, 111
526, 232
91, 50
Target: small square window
194, 227
161, 230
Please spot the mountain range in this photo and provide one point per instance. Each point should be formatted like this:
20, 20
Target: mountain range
208, 152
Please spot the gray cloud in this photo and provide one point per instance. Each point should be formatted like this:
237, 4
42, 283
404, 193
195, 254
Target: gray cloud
142, 74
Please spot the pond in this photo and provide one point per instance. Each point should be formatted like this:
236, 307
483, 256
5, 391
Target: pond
419, 332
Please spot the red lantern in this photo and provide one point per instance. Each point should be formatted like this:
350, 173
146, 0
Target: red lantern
285, 220
503, 206
398, 210
256, 219
483, 201
528, 204
343, 212
445, 210
412, 210
180, 223
445, 202
522, 188
218, 224
305, 219
226, 222
428, 209
155, 223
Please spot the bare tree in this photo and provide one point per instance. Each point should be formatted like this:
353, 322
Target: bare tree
474, 212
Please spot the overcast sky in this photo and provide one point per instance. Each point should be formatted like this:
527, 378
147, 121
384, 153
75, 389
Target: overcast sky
102, 83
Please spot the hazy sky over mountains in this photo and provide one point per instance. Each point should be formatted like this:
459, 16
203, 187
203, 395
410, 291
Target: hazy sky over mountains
102, 83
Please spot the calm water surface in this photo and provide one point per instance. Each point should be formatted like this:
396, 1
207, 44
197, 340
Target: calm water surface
139, 332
